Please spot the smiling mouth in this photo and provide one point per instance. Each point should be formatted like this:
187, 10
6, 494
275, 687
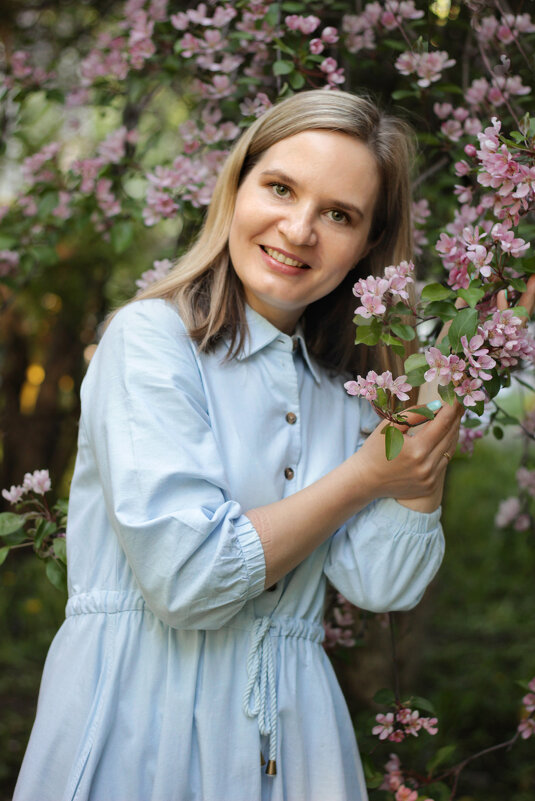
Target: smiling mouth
280, 257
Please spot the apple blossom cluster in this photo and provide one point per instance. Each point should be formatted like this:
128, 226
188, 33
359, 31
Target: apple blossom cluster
339, 625
526, 727
367, 387
503, 30
37, 482
427, 66
376, 19
160, 269
396, 726
394, 782
376, 294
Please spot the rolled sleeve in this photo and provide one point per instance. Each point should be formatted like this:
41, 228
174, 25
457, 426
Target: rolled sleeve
195, 556
384, 558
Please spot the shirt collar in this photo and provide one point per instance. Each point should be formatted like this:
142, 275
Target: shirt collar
262, 333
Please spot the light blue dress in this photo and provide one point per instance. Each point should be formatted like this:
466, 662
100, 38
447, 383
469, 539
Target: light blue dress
174, 667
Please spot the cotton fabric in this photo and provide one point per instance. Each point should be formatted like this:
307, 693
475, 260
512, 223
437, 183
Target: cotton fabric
142, 697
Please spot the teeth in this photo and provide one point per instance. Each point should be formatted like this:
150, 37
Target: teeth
283, 259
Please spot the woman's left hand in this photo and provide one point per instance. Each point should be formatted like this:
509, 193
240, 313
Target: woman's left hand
527, 299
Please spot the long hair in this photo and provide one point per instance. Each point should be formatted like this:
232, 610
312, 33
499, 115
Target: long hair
203, 283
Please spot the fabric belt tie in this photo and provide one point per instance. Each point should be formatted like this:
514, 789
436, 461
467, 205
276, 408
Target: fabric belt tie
260, 696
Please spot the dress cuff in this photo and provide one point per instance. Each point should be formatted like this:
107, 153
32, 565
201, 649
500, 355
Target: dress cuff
404, 518
253, 554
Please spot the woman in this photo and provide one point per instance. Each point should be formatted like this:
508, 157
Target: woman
223, 474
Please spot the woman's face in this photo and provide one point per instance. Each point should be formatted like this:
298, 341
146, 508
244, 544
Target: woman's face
302, 221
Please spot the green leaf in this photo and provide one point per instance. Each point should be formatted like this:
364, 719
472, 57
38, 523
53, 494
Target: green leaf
447, 393
396, 345
45, 528
297, 80
417, 377
358, 320
405, 332
395, 44
471, 295
414, 362
494, 385
428, 139
7, 242
439, 308
385, 697
425, 412
62, 505
3, 554
122, 235
46, 204
293, 8
464, 324
401, 94
57, 574
436, 292
417, 702
518, 284
44, 254
443, 755
60, 549
498, 432
282, 67
10, 523
368, 334
393, 442
471, 422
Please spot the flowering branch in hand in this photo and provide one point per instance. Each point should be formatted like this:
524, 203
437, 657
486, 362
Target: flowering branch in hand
37, 525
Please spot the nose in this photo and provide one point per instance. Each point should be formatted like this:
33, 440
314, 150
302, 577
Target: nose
298, 226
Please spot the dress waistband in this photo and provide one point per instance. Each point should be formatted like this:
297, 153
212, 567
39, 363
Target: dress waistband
107, 602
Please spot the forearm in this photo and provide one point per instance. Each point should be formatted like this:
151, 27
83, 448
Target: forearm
290, 529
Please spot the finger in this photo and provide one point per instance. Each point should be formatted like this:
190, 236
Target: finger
527, 299
501, 300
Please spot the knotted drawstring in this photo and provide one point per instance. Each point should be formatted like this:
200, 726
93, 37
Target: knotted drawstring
260, 697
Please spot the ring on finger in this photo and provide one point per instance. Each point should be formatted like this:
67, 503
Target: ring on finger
447, 455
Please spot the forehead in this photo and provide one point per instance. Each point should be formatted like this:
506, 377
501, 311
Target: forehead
335, 163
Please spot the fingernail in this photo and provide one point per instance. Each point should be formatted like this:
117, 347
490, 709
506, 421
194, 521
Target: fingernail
434, 406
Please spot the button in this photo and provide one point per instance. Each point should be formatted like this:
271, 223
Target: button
289, 473
291, 418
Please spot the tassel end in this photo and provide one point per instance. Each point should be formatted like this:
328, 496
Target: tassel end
271, 769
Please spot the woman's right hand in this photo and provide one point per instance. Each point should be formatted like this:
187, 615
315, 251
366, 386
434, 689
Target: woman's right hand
416, 476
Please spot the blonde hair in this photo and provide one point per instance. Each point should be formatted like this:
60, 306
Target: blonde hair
203, 283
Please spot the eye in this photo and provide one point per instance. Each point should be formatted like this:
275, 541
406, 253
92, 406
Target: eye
338, 216
280, 190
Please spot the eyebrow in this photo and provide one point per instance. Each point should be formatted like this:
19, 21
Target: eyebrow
287, 179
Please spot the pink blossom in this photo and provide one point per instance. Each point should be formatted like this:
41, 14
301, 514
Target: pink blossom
526, 728
28, 205
9, 261
140, 44
452, 129
469, 391
393, 777
38, 482
306, 25
112, 149
89, 170
467, 438
522, 523
106, 200
385, 725
62, 210
406, 794
399, 277
159, 270
430, 725
316, 46
14, 494
442, 110
407, 63
255, 107
526, 479
508, 511
330, 35
529, 702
